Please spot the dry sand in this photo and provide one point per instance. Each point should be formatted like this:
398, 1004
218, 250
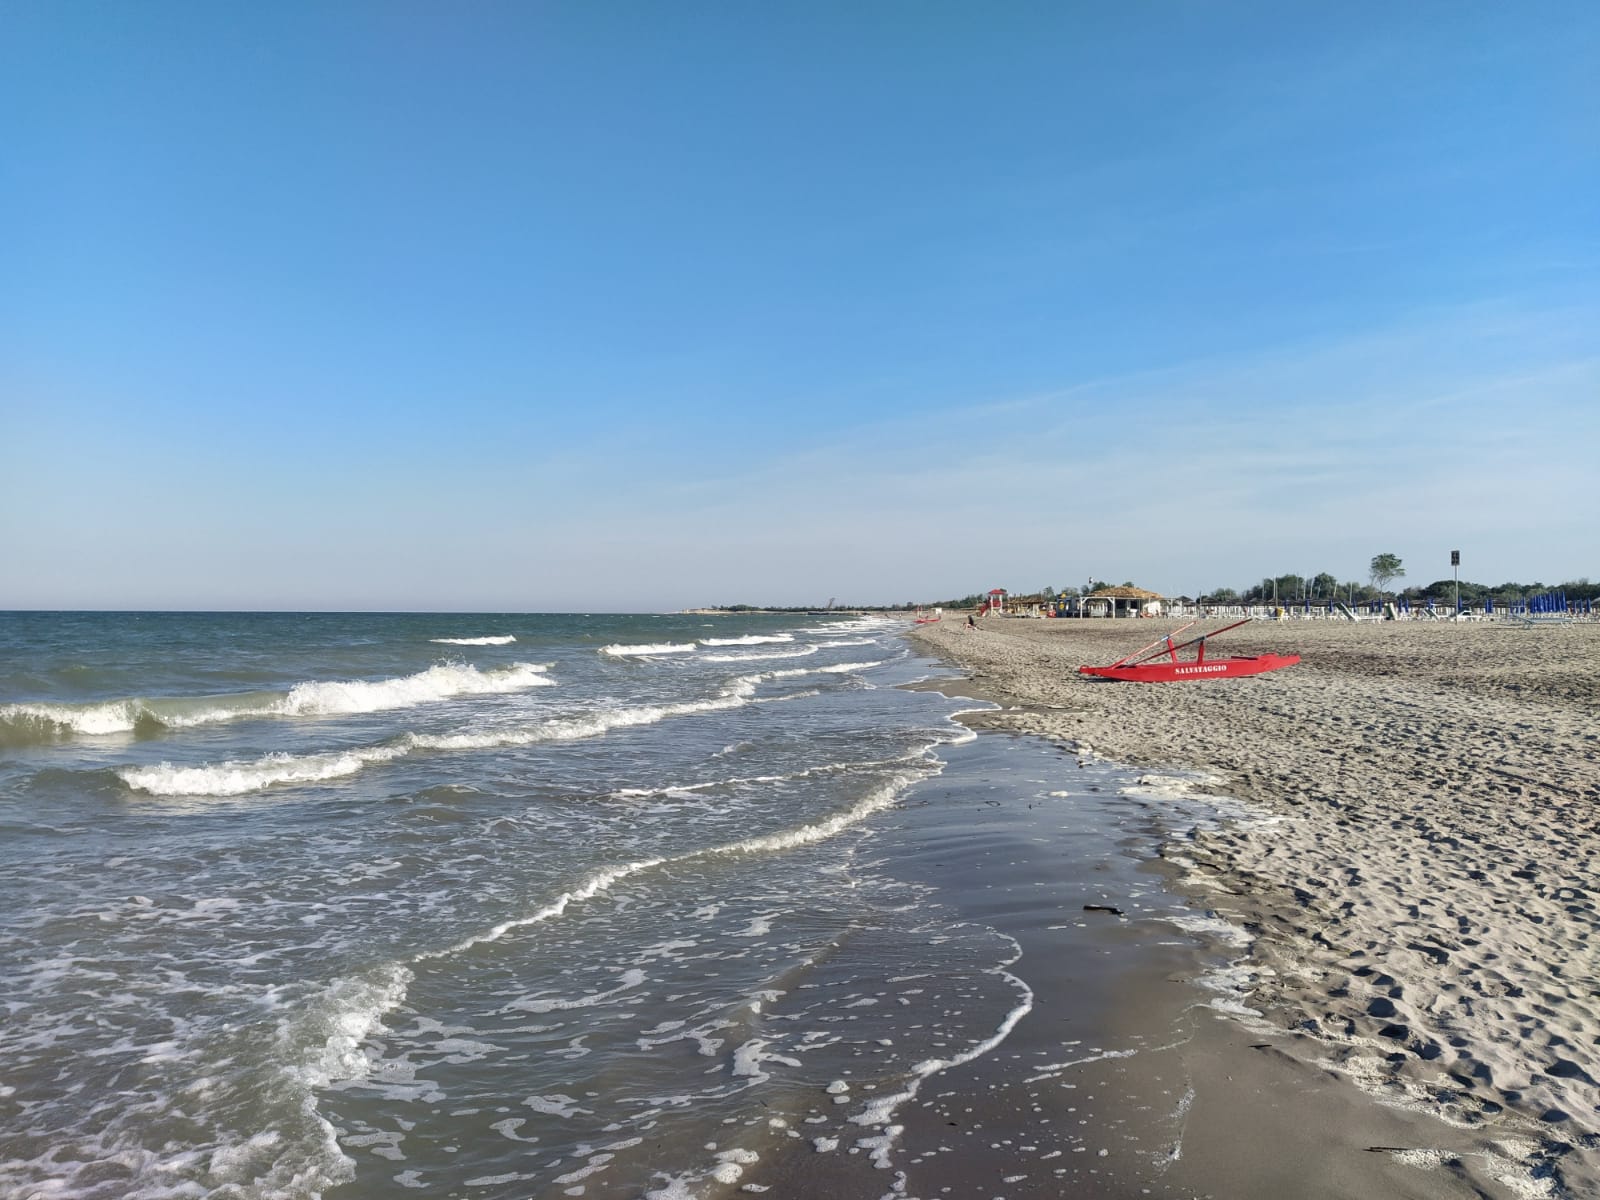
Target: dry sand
1422, 900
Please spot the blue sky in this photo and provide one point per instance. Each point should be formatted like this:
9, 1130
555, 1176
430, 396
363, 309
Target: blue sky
641, 306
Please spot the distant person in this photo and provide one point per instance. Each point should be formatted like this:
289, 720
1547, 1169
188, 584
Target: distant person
971, 621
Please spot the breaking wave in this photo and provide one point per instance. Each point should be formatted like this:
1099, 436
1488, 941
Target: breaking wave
503, 640
40, 723
622, 650
760, 655
238, 777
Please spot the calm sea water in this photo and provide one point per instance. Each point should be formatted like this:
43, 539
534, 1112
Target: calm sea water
491, 905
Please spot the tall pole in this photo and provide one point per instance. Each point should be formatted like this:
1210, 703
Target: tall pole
1455, 568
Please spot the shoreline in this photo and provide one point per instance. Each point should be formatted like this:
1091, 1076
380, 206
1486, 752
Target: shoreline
1419, 898
1054, 1087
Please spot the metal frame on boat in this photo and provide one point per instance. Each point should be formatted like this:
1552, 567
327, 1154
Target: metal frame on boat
1159, 662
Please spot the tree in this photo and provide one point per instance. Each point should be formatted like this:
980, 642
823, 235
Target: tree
1385, 569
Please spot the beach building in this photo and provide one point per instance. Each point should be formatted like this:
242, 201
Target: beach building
995, 602
1123, 602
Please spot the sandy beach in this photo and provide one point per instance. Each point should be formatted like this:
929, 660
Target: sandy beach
1419, 1010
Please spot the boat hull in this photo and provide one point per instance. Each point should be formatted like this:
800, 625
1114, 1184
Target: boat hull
1178, 672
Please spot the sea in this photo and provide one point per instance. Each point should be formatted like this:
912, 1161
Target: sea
495, 905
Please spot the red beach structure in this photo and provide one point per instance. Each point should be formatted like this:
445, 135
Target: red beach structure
1159, 661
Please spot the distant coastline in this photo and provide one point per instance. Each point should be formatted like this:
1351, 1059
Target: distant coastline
747, 610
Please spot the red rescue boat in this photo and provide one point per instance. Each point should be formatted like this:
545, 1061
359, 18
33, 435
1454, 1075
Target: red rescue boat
1159, 661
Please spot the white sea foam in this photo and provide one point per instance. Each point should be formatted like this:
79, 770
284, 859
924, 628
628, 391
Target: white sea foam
319, 1044
754, 639
322, 1043
1050, 1070
592, 886
758, 656
539, 1004
834, 669
436, 683
49, 721
874, 801
588, 725
647, 649
356, 1008
880, 1112
314, 698
1209, 925
747, 1060
237, 777
750, 1059
557, 1105
681, 789
338, 1034
1230, 986
502, 640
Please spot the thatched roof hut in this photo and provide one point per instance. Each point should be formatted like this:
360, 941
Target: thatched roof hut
1124, 602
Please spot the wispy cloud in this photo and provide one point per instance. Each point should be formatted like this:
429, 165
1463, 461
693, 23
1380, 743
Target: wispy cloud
1472, 429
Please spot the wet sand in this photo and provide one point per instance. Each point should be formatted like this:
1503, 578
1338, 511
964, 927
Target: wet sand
1418, 1012
1058, 863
